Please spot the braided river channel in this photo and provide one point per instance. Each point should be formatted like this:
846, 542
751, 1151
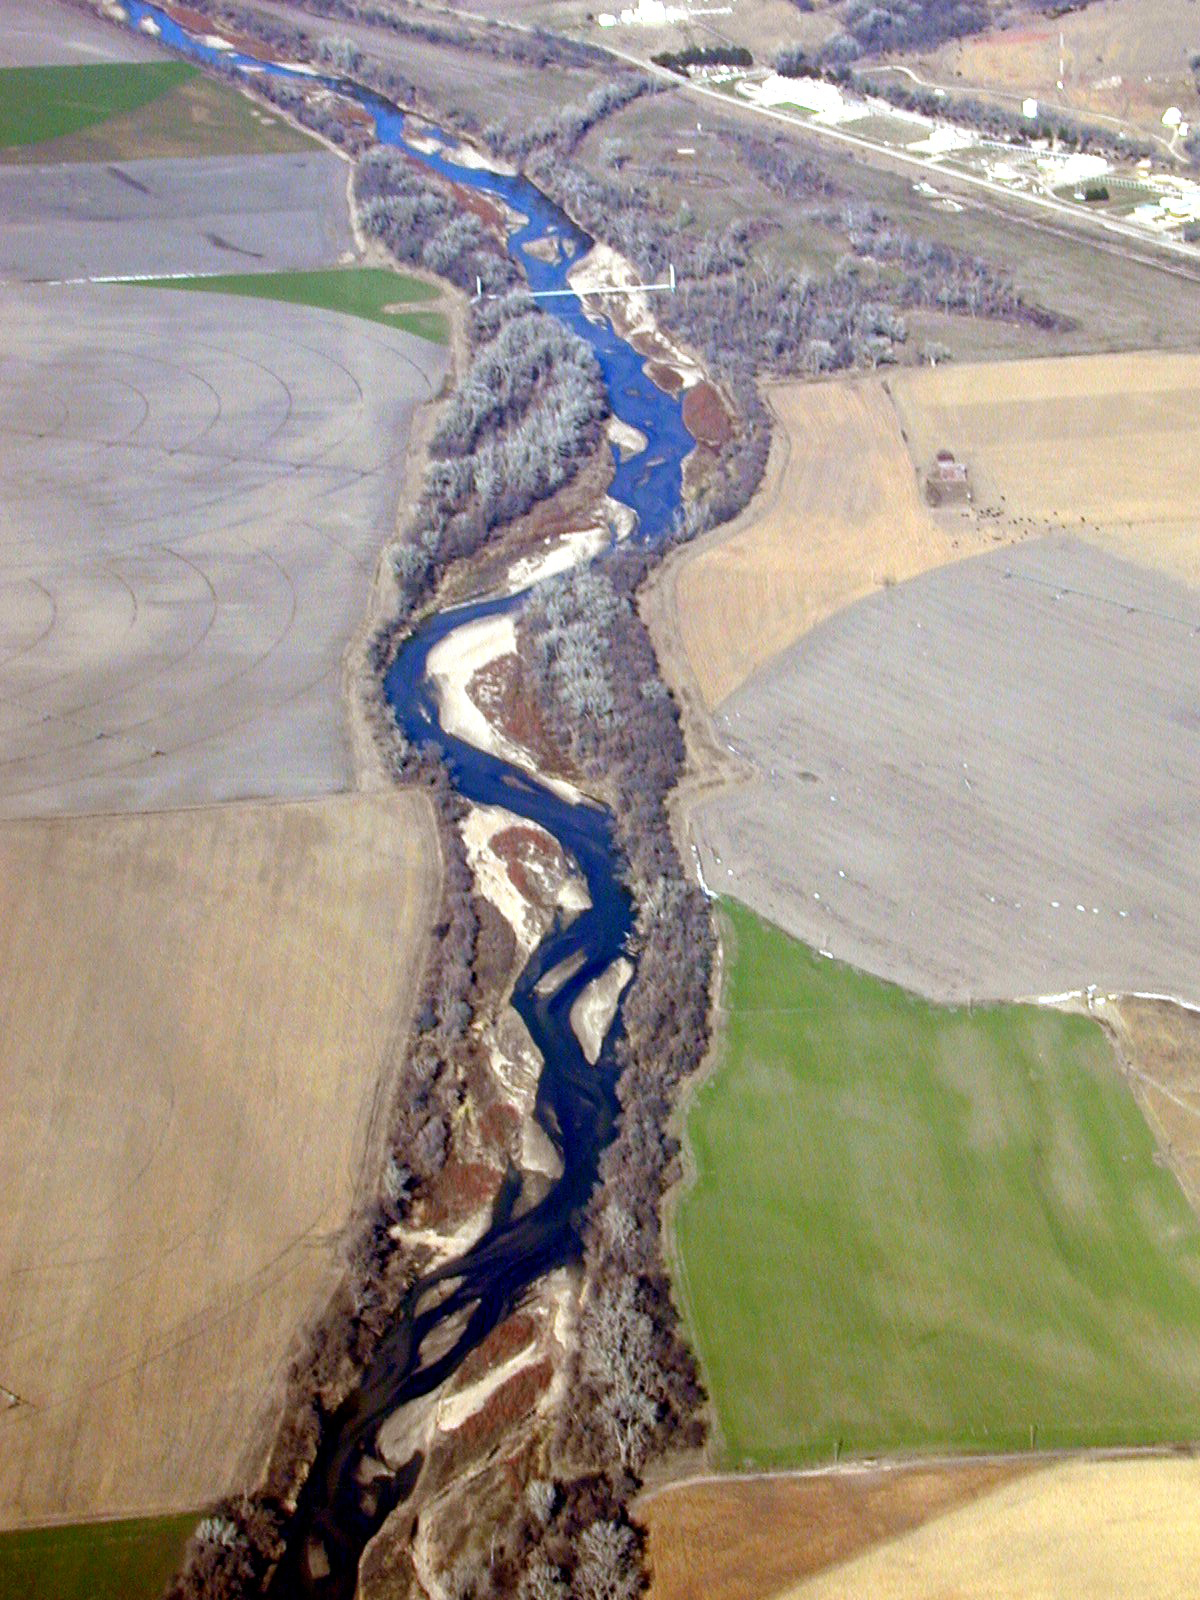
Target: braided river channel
576, 1102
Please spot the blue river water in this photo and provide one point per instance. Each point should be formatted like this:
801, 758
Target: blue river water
576, 1101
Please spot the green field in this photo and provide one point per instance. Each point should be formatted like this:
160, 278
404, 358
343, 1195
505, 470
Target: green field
126, 112
359, 291
93, 1560
39, 103
916, 1228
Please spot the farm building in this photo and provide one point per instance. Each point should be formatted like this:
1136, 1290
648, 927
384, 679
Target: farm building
946, 482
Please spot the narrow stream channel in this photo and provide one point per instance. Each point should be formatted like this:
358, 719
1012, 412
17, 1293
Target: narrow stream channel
576, 1102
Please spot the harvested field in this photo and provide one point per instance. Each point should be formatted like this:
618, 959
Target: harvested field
915, 1228
194, 493
980, 783
36, 33
839, 516
749, 1538
201, 1009
1094, 1530
153, 218
1101, 445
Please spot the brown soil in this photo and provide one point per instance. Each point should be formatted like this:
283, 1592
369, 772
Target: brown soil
512, 1401
745, 1539
500, 692
665, 376
460, 1189
535, 861
658, 351
705, 416
349, 114
504, 1342
498, 1126
495, 947
199, 22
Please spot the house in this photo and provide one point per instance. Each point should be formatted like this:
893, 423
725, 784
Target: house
946, 482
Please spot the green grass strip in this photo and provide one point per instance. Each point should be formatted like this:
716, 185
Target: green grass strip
359, 291
130, 1560
919, 1228
39, 103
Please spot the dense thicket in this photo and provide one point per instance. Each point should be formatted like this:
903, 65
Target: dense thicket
871, 27
999, 122
879, 27
420, 220
236, 1546
704, 55
530, 407
528, 411
562, 132
794, 61
322, 115
527, 415
744, 317
985, 117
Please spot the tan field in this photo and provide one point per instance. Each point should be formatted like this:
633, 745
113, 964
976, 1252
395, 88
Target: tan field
746, 1538
1093, 1530
840, 514
199, 1012
1101, 446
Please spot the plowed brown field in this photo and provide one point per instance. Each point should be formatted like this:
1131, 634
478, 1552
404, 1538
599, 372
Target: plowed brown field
199, 1010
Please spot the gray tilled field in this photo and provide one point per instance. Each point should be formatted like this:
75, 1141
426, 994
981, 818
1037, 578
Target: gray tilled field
984, 782
153, 218
35, 33
193, 493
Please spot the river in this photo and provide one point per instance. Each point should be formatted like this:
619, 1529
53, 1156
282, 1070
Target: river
576, 1102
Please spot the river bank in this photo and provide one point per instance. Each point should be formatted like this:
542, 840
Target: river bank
432, 1324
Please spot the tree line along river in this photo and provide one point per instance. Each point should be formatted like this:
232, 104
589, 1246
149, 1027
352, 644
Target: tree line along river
576, 1102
